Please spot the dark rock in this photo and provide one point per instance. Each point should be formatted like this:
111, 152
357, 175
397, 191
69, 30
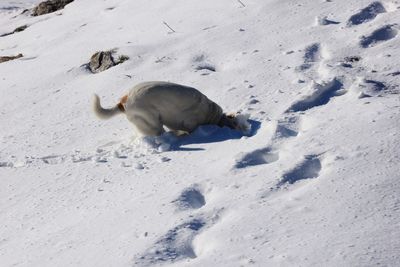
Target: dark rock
104, 60
19, 29
8, 58
50, 6
101, 61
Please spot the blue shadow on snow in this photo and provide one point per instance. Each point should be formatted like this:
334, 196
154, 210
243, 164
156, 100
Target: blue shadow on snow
210, 134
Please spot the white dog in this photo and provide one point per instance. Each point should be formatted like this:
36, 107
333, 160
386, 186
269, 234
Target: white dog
152, 105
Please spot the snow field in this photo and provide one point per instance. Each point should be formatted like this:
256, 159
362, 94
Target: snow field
315, 183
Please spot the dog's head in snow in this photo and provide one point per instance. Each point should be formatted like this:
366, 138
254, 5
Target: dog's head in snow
236, 121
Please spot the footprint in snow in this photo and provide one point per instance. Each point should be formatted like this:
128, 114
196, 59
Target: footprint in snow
77, 156
202, 64
323, 21
321, 95
370, 88
378, 36
205, 66
396, 73
257, 157
309, 168
53, 159
190, 198
287, 127
348, 61
5, 164
312, 54
177, 243
366, 14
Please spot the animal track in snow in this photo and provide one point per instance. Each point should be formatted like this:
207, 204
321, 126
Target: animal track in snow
348, 62
366, 14
173, 246
190, 198
307, 169
378, 86
177, 243
81, 158
396, 73
54, 159
321, 95
6, 164
369, 88
287, 127
201, 63
382, 34
257, 157
311, 55
205, 66
323, 21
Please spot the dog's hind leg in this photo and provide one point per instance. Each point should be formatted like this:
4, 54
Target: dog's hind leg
149, 127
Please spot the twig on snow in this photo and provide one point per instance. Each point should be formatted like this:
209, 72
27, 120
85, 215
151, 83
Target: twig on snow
241, 3
169, 27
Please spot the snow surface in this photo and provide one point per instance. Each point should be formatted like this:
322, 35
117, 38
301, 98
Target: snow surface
315, 183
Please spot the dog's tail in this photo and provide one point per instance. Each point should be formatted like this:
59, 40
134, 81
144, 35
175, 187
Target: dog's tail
104, 113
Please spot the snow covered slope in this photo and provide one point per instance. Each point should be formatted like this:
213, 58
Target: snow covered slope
316, 183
